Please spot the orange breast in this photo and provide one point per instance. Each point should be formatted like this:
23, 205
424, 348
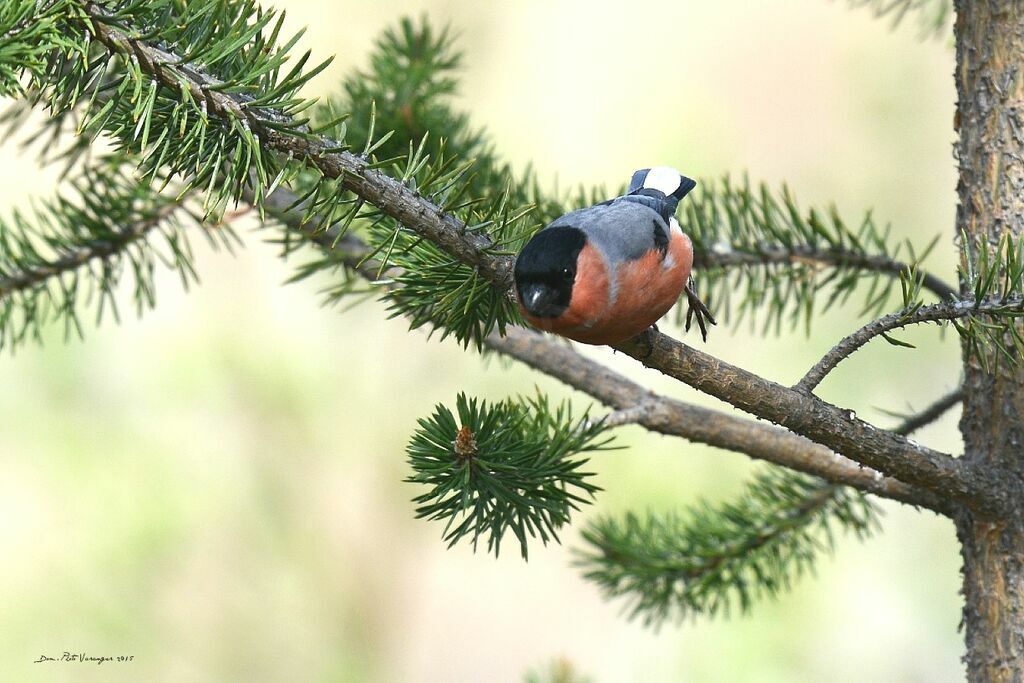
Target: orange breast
589, 302
645, 290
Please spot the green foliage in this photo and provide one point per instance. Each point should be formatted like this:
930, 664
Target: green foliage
991, 329
716, 557
514, 465
172, 128
412, 73
426, 284
933, 15
28, 34
759, 256
762, 258
433, 289
407, 90
432, 148
511, 465
73, 252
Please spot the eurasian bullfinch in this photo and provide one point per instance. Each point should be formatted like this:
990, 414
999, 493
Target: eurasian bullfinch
606, 273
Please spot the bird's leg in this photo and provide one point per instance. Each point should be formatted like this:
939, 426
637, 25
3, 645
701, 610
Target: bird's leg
696, 308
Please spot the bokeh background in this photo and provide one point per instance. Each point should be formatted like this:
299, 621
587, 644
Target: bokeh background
216, 488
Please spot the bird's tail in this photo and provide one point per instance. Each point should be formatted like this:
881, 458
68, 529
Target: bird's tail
664, 179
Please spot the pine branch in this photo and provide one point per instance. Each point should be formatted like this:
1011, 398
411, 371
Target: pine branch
346, 171
780, 532
74, 252
815, 419
1011, 308
758, 255
281, 134
744, 240
75, 257
585, 374
500, 467
703, 425
716, 557
992, 330
28, 34
819, 421
814, 254
652, 411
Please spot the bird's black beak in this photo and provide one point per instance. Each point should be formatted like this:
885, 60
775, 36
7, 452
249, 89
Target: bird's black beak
540, 300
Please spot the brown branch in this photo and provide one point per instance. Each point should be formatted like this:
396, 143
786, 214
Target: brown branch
934, 313
912, 423
77, 257
839, 430
355, 174
831, 257
809, 416
702, 425
633, 402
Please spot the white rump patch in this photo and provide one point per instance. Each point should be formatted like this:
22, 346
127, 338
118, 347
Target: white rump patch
673, 225
663, 178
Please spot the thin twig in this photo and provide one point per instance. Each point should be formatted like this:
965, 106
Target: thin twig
934, 313
75, 258
930, 414
832, 257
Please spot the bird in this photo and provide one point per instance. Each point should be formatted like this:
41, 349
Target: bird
607, 273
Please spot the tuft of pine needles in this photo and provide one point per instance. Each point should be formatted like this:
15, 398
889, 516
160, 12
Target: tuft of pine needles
993, 333
714, 559
73, 253
512, 466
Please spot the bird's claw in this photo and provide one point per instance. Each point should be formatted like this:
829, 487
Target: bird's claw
697, 310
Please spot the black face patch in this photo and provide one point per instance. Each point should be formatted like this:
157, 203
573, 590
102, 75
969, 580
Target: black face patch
546, 268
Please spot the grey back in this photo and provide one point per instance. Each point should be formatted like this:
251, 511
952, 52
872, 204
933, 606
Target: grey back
622, 228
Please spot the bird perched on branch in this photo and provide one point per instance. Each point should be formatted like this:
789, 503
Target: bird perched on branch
607, 273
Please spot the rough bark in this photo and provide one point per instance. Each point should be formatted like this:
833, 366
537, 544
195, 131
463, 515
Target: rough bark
990, 115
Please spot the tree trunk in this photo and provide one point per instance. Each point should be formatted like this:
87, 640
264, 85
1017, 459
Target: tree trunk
990, 117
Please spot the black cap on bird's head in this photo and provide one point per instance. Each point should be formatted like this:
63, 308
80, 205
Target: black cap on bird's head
661, 182
546, 269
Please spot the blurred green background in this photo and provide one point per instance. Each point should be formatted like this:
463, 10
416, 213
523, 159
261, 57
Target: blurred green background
217, 488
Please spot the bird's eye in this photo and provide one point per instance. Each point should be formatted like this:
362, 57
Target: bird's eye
567, 274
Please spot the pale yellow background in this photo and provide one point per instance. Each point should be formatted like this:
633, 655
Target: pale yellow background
217, 488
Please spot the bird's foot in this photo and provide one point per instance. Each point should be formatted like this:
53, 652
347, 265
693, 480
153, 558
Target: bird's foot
697, 310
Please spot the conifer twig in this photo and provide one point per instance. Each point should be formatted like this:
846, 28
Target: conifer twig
911, 423
101, 249
934, 313
884, 451
831, 257
632, 401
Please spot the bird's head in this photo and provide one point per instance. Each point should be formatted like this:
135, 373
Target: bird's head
546, 270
